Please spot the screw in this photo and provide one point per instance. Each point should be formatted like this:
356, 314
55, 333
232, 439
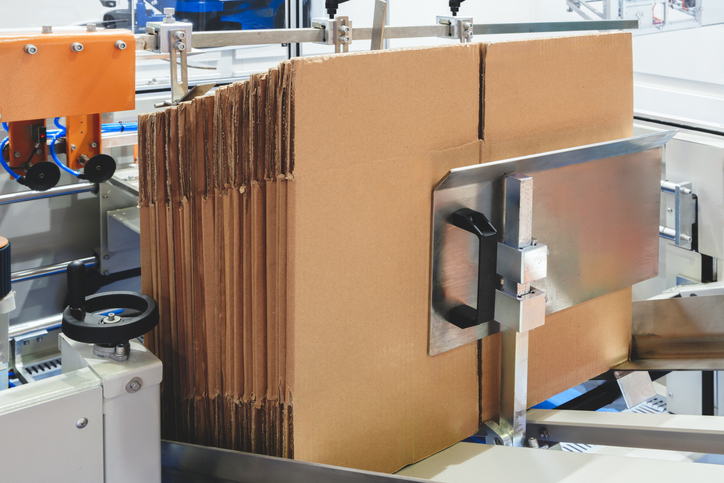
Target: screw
91, 27
544, 433
72, 147
105, 197
180, 46
39, 151
16, 154
344, 39
179, 35
94, 144
168, 12
106, 257
81, 423
31, 49
106, 272
134, 384
344, 29
120, 45
532, 442
467, 25
47, 29
670, 210
76, 46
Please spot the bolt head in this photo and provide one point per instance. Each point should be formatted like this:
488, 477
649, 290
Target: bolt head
106, 257
31, 49
120, 45
81, 423
72, 147
91, 27
106, 272
169, 11
16, 154
94, 144
180, 46
47, 29
76, 46
179, 35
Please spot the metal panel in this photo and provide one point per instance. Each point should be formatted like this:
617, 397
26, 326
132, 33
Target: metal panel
120, 250
596, 207
186, 463
41, 438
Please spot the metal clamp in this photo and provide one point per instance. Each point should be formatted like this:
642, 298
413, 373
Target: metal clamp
678, 209
337, 32
458, 28
174, 38
520, 261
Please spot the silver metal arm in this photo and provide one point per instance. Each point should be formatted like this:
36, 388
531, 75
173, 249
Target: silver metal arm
201, 40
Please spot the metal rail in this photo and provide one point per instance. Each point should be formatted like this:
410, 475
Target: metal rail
201, 40
70, 189
32, 273
45, 323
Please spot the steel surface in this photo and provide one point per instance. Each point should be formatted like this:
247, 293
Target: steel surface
596, 207
186, 463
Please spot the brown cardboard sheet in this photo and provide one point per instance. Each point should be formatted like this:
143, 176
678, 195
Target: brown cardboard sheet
287, 239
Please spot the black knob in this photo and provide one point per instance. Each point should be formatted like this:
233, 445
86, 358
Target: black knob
41, 176
76, 289
99, 168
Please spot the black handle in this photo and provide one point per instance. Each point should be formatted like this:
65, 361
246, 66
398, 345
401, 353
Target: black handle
464, 316
76, 289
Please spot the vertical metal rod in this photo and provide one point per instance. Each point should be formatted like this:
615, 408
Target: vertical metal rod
514, 363
518, 210
378, 24
514, 384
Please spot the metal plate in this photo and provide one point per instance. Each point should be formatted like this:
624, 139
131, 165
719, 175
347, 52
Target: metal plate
596, 207
186, 463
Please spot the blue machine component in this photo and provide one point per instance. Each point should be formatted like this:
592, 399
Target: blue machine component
205, 15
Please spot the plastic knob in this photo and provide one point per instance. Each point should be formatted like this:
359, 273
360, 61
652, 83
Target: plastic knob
99, 168
41, 176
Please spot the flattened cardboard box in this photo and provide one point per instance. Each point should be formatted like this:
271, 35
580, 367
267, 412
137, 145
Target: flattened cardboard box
287, 239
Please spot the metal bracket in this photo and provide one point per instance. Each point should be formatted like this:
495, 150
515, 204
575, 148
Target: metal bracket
337, 32
578, 234
678, 209
458, 28
174, 38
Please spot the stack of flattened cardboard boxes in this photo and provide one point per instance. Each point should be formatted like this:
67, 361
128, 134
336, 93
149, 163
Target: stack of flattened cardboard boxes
286, 233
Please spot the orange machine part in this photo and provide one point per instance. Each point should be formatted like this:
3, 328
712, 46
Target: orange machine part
82, 139
56, 81
23, 147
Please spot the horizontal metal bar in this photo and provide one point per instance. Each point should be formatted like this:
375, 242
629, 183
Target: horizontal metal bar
32, 273
541, 27
46, 323
701, 434
70, 189
670, 234
202, 40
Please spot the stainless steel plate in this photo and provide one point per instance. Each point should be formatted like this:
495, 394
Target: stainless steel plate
596, 207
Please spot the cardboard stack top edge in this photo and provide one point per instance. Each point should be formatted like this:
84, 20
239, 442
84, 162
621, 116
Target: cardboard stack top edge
286, 237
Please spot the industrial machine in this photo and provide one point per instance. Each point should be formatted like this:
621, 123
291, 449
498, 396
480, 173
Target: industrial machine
103, 410
654, 16
204, 15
